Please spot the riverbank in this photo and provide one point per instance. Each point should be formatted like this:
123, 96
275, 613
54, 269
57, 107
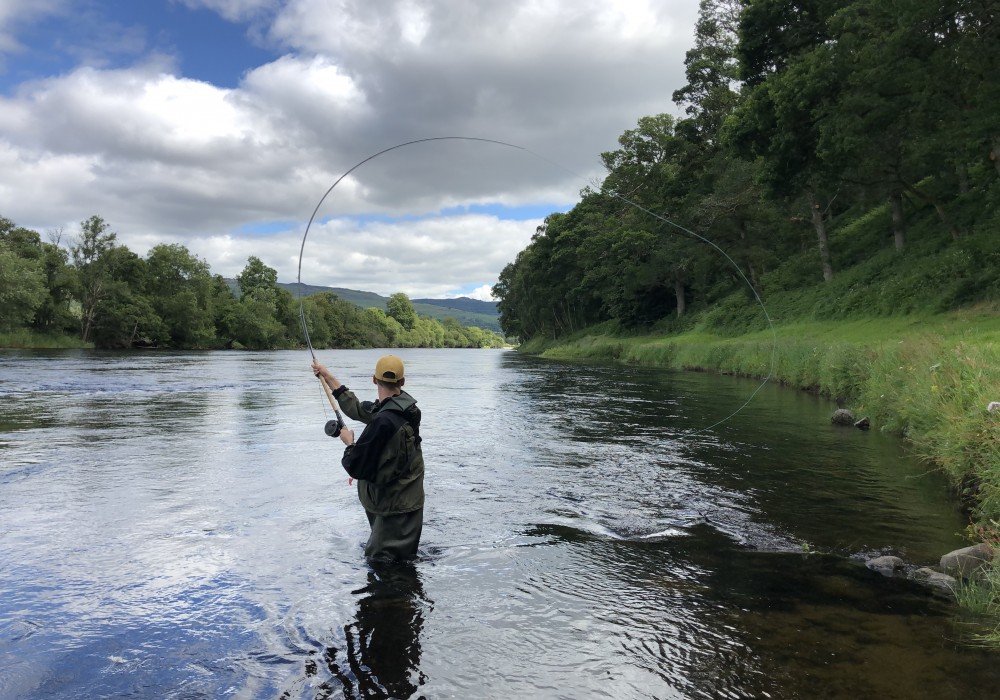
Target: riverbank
929, 379
926, 378
25, 339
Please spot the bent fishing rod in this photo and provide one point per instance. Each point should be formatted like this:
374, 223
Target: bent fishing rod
333, 427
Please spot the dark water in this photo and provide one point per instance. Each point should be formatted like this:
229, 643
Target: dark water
177, 526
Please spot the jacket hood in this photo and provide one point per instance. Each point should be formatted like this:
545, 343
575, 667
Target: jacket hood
402, 402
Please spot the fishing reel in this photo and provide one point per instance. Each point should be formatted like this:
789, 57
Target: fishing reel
334, 426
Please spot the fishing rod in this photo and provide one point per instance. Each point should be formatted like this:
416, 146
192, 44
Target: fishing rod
333, 427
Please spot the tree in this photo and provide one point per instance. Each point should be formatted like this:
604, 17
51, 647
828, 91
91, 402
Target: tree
785, 57
380, 330
253, 322
401, 308
876, 129
91, 261
22, 288
52, 315
258, 281
123, 308
180, 288
712, 70
665, 167
223, 305
55, 314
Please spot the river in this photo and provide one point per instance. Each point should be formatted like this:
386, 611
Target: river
178, 526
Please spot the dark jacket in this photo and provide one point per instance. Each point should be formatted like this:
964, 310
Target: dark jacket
386, 458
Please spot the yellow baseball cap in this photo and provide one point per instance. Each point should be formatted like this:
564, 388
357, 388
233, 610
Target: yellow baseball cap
389, 369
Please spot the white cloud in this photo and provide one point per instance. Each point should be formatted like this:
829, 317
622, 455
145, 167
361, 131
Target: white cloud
165, 158
484, 293
234, 10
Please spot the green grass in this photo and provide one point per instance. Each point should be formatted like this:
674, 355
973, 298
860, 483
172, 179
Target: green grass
980, 594
27, 339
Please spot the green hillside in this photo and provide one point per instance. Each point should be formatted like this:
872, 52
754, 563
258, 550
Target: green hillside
468, 312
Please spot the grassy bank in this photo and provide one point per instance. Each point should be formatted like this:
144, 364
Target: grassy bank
26, 339
926, 378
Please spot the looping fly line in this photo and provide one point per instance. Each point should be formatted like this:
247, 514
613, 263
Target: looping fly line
622, 198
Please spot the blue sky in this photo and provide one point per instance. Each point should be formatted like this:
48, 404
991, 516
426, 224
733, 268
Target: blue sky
206, 46
219, 125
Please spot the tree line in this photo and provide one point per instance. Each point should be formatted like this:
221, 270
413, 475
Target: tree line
801, 117
113, 298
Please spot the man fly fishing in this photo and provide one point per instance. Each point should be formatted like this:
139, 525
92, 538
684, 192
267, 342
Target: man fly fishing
386, 460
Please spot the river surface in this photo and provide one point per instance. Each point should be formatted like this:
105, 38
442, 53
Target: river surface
179, 526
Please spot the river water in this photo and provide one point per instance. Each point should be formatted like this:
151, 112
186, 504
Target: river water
178, 526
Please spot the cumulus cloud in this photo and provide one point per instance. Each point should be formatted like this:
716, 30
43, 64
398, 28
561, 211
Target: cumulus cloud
236, 171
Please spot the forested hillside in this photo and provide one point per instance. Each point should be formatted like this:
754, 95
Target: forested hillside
836, 158
102, 294
468, 312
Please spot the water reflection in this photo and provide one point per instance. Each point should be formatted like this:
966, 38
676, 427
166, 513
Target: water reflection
380, 654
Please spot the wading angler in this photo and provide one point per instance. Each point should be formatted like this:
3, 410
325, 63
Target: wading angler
386, 460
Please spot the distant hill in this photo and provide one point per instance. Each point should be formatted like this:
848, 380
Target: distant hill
468, 312
474, 306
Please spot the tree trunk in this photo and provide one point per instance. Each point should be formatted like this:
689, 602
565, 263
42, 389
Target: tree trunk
750, 267
679, 293
898, 220
821, 237
89, 311
995, 153
962, 173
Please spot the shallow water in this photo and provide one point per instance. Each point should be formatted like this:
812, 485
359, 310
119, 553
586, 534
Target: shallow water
178, 526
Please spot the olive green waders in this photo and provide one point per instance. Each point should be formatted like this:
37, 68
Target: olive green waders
394, 537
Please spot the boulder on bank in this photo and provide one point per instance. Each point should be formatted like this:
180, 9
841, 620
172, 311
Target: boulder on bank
966, 561
842, 417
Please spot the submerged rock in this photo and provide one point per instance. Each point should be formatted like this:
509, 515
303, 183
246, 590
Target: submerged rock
942, 583
886, 565
842, 417
863, 424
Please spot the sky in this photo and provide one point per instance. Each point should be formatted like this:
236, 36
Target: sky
221, 125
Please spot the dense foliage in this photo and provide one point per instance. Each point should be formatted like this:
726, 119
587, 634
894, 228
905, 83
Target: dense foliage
837, 157
112, 298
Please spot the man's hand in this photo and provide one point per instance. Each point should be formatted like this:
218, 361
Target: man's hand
321, 371
347, 435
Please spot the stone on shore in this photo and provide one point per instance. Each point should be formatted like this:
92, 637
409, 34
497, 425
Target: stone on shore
966, 561
842, 417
